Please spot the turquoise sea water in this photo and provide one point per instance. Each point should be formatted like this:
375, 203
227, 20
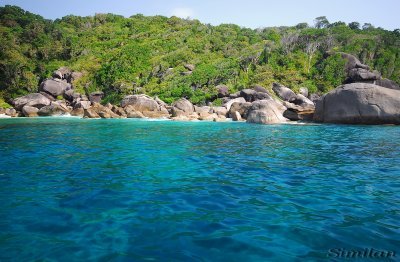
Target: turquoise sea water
130, 190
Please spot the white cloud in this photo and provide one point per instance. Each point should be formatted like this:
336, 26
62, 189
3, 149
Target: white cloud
183, 12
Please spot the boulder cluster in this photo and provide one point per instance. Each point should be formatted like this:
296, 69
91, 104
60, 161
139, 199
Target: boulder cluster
365, 98
56, 97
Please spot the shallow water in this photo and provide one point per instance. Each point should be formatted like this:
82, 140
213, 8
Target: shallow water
128, 190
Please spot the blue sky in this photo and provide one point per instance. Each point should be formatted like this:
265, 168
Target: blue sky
248, 13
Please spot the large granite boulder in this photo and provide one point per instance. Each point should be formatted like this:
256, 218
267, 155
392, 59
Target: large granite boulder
362, 75
387, 83
266, 112
54, 87
241, 108
251, 95
54, 109
11, 112
30, 111
103, 111
359, 103
229, 103
204, 112
284, 93
301, 100
184, 105
297, 112
35, 100
220, 110
352, 62
145, 105
82, 104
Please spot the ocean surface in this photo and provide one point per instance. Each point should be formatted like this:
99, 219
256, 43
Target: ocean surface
132, 190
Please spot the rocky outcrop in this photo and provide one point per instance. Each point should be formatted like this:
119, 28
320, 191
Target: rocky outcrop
35, 100
54, 109
301, 100
145, 105
229, 103
220, 110
71, 95
104, 111
296, 112
82, 104
284, 93
11, 112
54, 87
359, 103
362, 75
241, 108
387, 83
90, 113
266, 112
96, 97
251, 95
352, 62
30, 111
183, 109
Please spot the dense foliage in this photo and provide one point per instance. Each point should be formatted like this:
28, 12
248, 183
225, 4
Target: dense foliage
148, 54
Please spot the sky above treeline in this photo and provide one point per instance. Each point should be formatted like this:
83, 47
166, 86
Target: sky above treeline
248, 13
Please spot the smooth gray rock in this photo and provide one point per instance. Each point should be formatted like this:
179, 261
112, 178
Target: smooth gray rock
83, 104
301, 100
11, 112
220, 110
284, 93
266, 112
54, 87
251, 95
145, 105
30, 111
35, 99
140, 102
184, 105
352, 62
359, 103
52, 110
387, 83
360, 74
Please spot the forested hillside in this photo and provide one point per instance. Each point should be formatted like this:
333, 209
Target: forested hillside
173, 57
